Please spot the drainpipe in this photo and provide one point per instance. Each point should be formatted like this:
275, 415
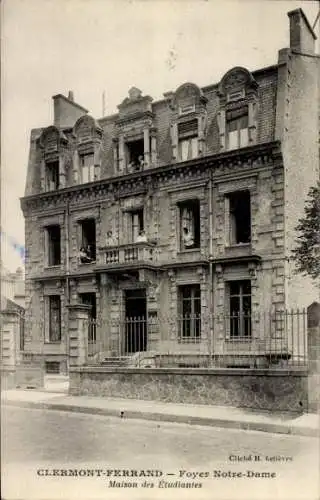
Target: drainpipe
210, 264
66, 225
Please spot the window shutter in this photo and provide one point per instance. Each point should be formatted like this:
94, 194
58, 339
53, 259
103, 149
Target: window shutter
76, 167
221, 118
188, 128
174, 140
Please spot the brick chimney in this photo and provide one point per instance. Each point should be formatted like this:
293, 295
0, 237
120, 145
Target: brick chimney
65, 111
302, 37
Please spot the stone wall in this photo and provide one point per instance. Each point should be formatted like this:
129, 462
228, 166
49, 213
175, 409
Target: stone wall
256, 389
314, 356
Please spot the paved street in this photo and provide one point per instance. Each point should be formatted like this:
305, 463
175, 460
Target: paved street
41, 440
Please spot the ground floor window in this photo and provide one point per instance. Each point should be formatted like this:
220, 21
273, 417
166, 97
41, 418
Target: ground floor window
189, 314
54, 306
240, 308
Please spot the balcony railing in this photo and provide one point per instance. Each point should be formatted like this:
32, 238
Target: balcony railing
130, 253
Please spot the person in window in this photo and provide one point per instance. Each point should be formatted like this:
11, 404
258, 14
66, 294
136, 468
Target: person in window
89, 252
110, 239
140, 162
83, 256
188, 239
141, 236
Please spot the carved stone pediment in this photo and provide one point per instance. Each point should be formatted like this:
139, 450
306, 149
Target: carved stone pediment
51, 139
87, 129
188, 94
237, 79
134, 104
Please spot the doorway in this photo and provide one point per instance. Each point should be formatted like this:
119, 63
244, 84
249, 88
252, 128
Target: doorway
135, 320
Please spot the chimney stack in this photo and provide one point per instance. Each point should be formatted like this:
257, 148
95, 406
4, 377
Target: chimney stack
302, 37
70, 96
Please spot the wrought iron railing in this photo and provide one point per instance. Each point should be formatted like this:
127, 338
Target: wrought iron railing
249, 341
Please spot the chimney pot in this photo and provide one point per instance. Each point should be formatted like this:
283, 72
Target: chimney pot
71, 95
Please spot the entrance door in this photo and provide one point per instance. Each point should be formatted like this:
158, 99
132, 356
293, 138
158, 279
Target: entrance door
136, 321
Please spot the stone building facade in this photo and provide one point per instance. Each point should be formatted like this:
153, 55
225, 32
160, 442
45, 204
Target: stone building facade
172, 213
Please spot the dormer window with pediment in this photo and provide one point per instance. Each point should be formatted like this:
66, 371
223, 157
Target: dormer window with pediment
87, 154
237, 116
188, 122
52, 143
135, 145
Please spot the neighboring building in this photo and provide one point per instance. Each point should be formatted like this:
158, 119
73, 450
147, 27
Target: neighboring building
171, 214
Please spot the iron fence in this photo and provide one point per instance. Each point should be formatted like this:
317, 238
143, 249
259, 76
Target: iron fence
268, 339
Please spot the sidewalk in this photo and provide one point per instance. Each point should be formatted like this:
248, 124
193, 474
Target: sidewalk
214, 416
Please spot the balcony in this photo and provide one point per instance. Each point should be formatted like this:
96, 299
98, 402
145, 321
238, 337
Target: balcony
131, 256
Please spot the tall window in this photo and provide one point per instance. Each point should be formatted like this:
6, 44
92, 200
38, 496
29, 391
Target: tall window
237, 128
54, 318
87, 168
90, 300
137, 225
53, 240
188, 140
240, 308
189, 312
239, 217
87, 251
52, 175
135, 155
189, 224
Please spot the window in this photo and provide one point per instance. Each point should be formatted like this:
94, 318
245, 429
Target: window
52, 366
239, 218
189, 224
188, 140
190, 312
53, 245
240, 308
137, 225
21, 331
52, 175
87, 168
90, 300
237, 128
54, 318
87, 251
135, 155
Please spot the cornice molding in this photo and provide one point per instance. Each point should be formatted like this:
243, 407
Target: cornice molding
253, 157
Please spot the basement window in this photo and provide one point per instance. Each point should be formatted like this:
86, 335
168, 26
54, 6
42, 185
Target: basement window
53, 245
189, 224
52, 367
87, 251
239, 217
52, 175
135, 155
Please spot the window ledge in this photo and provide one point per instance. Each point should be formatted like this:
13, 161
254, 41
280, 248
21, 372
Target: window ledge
52, 342
58, 266
189, 340
238, 339
87, 263
189, 250
238, 245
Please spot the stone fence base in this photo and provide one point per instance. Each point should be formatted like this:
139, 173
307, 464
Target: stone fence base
276, 390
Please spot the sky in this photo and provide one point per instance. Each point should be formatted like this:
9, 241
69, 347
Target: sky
95, 46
